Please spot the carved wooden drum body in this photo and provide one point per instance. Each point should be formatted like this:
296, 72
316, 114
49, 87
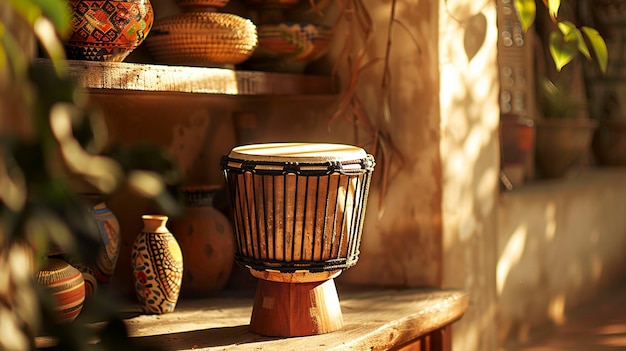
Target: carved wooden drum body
298, 211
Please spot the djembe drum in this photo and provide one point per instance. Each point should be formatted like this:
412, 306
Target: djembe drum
298, 211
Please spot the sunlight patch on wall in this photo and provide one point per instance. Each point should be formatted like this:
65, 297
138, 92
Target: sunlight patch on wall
511, 255
550, 221
485, 189
596, 267
556, 309
613, 341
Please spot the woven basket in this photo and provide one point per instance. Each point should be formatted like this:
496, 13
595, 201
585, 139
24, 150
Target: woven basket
202, 38
304, 42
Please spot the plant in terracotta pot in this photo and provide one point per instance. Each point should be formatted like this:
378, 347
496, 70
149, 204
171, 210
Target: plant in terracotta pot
563, 129
608, 91
564, 134
609, 141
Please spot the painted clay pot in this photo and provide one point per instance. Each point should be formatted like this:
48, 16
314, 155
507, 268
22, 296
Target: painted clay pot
109, 229
301, 42
66, 285
91, 282
207, 241
157, 263
107, 30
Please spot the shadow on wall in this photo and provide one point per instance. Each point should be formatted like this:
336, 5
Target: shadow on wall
559, 245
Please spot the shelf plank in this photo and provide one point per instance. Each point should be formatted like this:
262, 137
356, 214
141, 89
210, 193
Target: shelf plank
196, 80
374, 320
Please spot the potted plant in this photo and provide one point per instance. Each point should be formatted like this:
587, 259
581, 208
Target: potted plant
564, 133
563, 129
609, 141
608, 91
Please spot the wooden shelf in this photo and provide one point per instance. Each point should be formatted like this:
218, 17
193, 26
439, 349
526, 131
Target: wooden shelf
376, 319
196, 80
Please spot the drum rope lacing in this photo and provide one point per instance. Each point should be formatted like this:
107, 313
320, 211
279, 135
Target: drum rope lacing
310, 168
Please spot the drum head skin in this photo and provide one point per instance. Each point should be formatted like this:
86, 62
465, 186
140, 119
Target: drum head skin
304, 152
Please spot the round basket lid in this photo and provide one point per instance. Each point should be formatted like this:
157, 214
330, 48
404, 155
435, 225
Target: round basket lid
298, 152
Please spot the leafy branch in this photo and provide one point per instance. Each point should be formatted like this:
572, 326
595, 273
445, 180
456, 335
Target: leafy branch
358, 38
567, 40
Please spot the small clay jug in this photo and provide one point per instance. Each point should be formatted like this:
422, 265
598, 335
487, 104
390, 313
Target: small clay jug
157, 263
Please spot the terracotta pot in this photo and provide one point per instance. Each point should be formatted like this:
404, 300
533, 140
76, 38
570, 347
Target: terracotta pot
609, 143
66, 285
561, 144
207, 241
517, 143
157, 263
107, 30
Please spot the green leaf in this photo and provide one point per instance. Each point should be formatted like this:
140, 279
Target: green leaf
571, 33
598, 45
49, 40
553, 8
14, 55
526, 10
562, 51
56, 11
27, 9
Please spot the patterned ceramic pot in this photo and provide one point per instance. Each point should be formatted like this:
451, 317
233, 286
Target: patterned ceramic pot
91, 282
207, 240
303, 42
109, 229
107, 30
157, 263
66, 285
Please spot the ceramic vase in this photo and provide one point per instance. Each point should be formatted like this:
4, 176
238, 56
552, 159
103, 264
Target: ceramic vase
91, 282
207, 241
107, 30
157, 263
109, 230
66, 285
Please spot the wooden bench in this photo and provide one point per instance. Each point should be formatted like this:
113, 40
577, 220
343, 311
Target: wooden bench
375, 319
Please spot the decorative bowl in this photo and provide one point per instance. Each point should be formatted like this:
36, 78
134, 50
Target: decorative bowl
107, 30
304, 42
202, 38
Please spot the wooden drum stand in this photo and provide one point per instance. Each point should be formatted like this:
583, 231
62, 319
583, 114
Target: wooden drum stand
295, 304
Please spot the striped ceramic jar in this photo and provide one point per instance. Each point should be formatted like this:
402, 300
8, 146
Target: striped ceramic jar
67, 286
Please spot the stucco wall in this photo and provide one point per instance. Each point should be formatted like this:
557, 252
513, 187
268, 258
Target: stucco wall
470, 159
560, 243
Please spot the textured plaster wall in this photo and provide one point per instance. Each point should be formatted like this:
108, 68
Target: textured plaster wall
470, 158
560, 243
401, 240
